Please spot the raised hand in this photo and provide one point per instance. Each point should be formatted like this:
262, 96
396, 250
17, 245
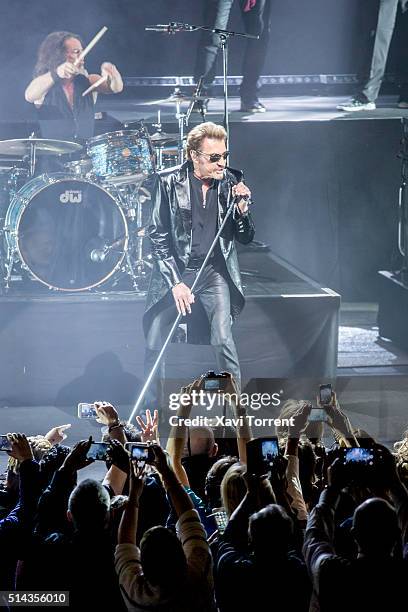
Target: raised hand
57, 434
301, 419
337, 476
231, 386
160, 460
20, 447
119, 455
77, 459
337, 419
107, 414
137, 478
149, 430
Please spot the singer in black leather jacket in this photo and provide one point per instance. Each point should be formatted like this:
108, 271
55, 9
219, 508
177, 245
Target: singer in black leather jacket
188, 206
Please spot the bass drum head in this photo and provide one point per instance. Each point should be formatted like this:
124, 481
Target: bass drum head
71, 234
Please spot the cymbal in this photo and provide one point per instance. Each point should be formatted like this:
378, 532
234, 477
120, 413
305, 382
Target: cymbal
162, 137
43, 146
175, 99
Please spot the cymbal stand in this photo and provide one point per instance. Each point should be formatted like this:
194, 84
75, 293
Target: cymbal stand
181, 125
143, 268
132, 203
159, 149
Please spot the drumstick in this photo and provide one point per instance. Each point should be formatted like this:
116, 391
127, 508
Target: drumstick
88, 47
95, 85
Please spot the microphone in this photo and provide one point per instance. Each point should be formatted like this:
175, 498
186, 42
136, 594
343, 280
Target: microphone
99, 255
170, 28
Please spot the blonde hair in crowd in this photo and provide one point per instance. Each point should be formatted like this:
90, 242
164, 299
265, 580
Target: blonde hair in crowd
39, 445
233, 487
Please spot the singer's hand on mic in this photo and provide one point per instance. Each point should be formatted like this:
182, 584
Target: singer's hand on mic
183, 298
240, 190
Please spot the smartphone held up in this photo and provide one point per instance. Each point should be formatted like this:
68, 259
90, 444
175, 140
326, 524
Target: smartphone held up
86, 411
140, 452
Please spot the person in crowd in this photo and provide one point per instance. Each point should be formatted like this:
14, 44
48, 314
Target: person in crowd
375, 578
17, 525
193, 450
401, 457
233, 487
73, 550
214, 479
153, 496
310, 450
294, 487
256, 551
167, 571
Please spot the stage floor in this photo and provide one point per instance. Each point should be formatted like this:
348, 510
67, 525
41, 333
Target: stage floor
279, 109
361, 347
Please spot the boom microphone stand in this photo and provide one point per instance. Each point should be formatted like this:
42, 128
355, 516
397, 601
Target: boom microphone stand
177, 320
224, 35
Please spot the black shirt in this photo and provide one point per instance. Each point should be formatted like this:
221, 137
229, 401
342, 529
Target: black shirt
58, 120
203, 216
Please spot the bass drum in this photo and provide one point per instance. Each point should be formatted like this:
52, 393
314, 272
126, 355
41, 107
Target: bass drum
68, 233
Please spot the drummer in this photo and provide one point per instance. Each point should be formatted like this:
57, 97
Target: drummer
58, 84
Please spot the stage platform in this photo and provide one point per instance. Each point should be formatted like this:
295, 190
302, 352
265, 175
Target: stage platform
62, 349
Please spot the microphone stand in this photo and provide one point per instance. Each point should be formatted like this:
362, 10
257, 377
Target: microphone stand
177, 320
224, 35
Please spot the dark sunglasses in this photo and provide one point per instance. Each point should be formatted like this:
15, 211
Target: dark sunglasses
214, 157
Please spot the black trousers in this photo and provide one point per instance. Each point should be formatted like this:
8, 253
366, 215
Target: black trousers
257, 22
214, 295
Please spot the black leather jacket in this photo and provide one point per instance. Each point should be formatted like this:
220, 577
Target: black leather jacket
170, 234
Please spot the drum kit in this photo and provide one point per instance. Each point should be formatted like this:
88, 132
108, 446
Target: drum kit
83, 227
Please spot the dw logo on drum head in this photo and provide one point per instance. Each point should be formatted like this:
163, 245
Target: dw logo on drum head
71, 197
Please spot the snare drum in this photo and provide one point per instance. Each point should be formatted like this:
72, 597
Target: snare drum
68, 233
123, 157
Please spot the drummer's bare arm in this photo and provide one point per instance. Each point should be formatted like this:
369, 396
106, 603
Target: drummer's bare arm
41, 85
113, 84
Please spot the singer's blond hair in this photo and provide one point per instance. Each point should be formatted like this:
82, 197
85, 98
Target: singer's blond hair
204, 130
